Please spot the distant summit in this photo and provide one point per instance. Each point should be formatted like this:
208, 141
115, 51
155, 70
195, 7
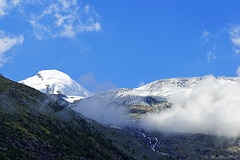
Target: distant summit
155, 95
56, 82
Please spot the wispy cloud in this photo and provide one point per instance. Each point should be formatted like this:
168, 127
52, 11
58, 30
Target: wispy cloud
3, 7
6, 5
238, 71
205, 37
57, 18
235, 38
141, 84
7, 41
46, 19
15, 2
64, 18
211, 54
209, 40
89, 81
205, 34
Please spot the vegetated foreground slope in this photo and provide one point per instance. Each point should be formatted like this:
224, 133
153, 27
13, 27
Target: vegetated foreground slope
32, 126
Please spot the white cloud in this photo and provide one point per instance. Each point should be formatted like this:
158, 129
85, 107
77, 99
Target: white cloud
15, 2
64, 18
87, 8
235, 38
238, 71
211, 54
5, 6
58, 18
205, 37
211, 107
67, 31
93, 27
205, 34
40, 31
6, 43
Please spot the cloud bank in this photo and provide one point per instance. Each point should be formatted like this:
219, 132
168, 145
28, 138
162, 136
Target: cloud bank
212, 107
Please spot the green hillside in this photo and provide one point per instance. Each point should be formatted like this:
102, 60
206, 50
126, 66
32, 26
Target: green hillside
32, 126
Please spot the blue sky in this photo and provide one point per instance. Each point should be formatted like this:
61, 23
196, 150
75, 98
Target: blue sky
105, 44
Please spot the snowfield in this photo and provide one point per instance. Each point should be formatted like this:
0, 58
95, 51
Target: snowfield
160, 90
55, 82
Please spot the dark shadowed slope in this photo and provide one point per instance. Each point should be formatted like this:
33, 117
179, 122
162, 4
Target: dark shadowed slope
32, 126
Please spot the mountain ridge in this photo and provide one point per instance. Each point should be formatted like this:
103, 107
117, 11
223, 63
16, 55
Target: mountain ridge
151, 97
36, 127
160, 90
33, 126
55, 82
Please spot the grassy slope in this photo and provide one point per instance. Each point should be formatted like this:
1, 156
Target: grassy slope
34, 127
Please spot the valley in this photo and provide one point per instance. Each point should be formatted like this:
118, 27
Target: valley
49, 127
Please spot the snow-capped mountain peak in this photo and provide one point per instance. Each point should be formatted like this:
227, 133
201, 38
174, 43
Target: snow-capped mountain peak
160, 90
56, 82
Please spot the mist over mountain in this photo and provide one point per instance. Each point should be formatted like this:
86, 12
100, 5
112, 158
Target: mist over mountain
208, 105
211, 106
123, 80
164, 115
159, 90
34, 126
